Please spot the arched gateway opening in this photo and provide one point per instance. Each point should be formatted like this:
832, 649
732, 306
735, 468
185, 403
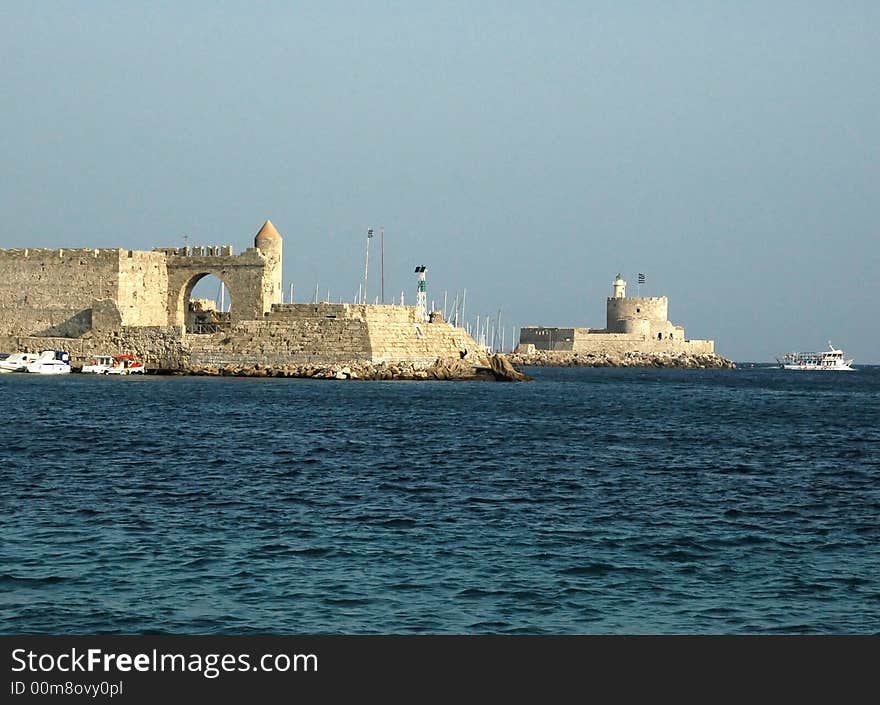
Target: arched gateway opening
207, 304
252, 280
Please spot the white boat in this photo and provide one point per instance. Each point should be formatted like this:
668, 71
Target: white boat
114, 365
831, 359
51, 362
17, 362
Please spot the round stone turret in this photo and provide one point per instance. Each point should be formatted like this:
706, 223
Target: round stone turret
269, 242
268, 239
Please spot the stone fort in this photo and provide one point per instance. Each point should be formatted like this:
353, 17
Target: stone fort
110, 301
632, 324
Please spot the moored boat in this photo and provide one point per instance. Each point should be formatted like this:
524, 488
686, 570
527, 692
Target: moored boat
51, 362
114, 365
125, 365
831, 359
17, 362
99, 365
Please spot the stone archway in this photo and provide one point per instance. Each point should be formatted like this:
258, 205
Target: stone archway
245, 277
205, 314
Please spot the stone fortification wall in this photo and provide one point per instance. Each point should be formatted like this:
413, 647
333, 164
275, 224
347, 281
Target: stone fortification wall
65, 322
328, 333
305, 340
362, 312
290, 334
544, 338
620, 343
51, 291
143, 289
589, 340
420, 343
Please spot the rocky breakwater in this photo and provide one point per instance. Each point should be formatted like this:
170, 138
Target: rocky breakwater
546, 358
494, 368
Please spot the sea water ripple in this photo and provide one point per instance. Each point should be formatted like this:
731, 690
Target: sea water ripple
587, 501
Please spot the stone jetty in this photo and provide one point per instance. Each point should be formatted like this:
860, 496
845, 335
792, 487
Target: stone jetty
493, 368
557, 358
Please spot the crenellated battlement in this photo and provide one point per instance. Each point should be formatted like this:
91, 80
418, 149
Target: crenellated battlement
197, 251
46, 291
67, 253
642, 299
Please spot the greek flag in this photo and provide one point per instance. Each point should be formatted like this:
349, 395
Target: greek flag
641, 278
370, 232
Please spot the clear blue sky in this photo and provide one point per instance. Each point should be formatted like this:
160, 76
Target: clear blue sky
525, 151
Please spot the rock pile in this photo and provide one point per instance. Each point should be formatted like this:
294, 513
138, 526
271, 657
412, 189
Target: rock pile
546, 358
497, 367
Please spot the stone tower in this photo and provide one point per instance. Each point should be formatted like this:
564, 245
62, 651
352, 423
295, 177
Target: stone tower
268, 241
641, 315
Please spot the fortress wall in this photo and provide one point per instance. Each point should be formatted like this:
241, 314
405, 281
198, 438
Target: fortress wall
305, 340
419, 343
59, 279
333, 333
44, 291
397, 314
620, 344
25, 320
699, 347
545, 338
143, 288
589, 340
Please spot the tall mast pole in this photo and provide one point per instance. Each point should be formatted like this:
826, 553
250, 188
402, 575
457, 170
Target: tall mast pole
367, 265
382, 247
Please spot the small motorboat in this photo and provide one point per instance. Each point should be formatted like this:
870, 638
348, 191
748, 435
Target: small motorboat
114, 365
17, 362
126, 365
51, 362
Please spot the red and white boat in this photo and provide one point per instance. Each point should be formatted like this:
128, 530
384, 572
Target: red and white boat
114, 365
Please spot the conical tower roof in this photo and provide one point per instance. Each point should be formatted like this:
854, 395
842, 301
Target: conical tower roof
268, 232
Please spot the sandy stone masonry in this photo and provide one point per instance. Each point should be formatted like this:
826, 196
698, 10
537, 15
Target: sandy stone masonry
632, 324
111, 301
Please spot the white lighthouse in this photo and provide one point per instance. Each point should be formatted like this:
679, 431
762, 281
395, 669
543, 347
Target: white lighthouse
421, 294
619, 287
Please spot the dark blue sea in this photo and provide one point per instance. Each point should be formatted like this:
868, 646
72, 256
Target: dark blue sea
587, 501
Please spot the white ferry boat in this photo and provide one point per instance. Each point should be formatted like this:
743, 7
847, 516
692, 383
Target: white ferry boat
831, 359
